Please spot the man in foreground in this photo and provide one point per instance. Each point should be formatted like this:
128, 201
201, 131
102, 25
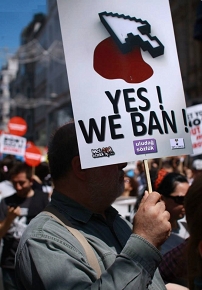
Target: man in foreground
50, 257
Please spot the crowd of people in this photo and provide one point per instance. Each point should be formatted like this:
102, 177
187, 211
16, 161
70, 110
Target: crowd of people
59, 229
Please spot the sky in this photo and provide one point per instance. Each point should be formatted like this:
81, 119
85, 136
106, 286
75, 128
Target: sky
14, 16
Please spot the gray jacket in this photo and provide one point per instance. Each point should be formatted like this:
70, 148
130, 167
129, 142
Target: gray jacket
49, 257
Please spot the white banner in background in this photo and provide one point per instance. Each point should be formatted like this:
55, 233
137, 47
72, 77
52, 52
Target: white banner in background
194, 115
11, 144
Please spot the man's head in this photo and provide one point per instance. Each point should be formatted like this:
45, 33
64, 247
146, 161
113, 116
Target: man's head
62, 148
96, 188
21, 177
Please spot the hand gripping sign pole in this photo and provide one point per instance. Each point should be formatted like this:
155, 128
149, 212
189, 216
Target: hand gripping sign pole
146, 166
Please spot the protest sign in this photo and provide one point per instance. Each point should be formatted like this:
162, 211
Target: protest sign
33, 155
194, 115
17, 126
11, 144
125, 80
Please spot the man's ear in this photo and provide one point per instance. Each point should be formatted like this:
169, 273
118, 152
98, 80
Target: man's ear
76, 167
200, 248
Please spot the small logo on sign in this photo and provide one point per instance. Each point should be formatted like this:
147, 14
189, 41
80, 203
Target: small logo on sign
104, 152
145, 146
177, 143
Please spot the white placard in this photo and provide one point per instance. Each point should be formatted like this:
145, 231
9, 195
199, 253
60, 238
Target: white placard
194, 115
125, 82
11, 144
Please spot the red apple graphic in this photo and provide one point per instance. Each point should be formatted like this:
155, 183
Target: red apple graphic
111, 63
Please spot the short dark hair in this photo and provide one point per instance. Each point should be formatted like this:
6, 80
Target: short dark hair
6, 165
169, 183
21, 167
42, 170
62, 148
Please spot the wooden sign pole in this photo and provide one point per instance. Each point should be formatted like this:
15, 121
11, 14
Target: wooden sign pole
146, 166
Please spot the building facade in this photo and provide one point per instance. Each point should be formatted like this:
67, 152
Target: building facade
7, 74
185, 14
40, 89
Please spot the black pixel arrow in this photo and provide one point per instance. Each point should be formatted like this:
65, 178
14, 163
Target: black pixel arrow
130, 32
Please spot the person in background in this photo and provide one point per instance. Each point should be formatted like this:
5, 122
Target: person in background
125, 203
130, 186
196, 168
176, 164
6, 186
16, 211
153, 169
156, 177
140, 177
166, 167
50, 257
173, 267
193, 208
173, 189
189, 174
184, 263
44, 178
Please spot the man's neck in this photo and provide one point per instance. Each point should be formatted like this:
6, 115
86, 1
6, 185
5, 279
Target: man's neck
29, 194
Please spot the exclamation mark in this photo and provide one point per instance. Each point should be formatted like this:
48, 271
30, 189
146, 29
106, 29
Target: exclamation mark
160, 98
185, 120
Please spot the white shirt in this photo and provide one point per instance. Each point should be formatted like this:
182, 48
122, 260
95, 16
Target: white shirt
6, 189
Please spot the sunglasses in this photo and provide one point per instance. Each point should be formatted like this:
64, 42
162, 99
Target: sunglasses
177, 199
127, 180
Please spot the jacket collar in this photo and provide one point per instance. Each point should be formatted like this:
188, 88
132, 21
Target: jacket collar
75, 210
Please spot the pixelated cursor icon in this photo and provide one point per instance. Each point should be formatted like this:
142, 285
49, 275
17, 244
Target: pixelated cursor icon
130, 32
